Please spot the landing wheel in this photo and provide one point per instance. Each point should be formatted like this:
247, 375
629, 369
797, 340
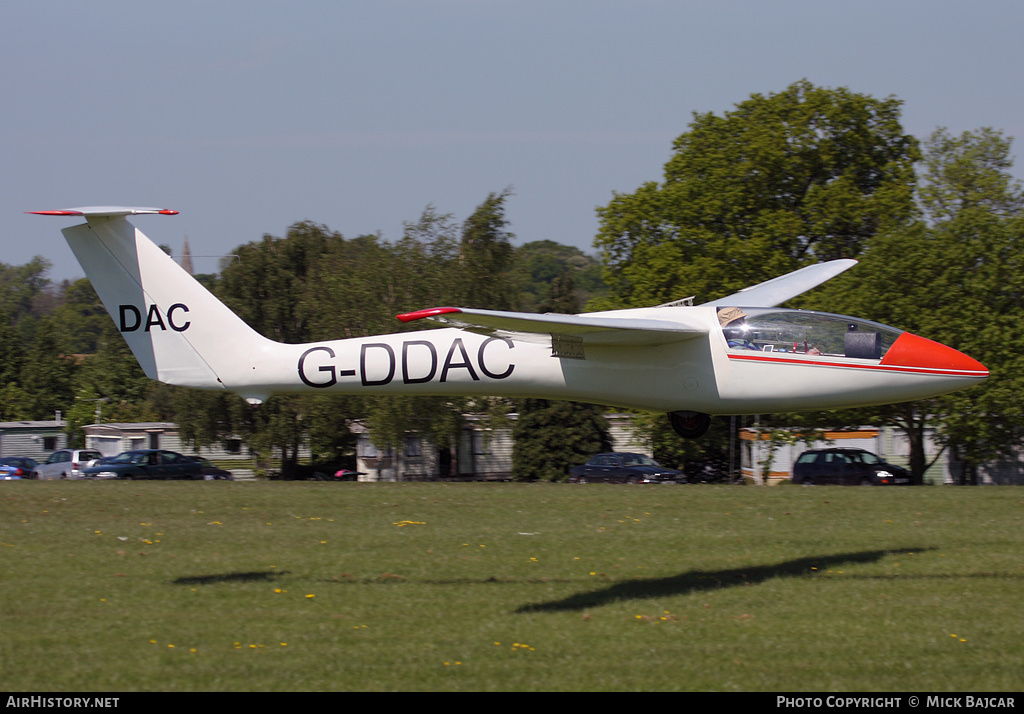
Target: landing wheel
690, 425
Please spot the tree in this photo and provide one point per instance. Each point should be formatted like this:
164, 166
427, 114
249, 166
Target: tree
969, 172
14, 403
553, 436
540, 263
488, 277
21, 286
110, 382
801, 176
80, 317
781, 181
47, 375
957, 279
314, 284
275, 286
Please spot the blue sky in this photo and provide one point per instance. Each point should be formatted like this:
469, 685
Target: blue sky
249, 116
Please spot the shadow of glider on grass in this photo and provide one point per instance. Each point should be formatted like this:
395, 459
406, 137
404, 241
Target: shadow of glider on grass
737, 355
701, 580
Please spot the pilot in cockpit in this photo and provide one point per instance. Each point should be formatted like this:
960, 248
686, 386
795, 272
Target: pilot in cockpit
735, 328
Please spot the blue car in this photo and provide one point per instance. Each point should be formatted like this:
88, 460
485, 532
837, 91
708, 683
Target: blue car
16, 468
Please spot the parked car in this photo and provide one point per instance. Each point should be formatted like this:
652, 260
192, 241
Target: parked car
146, 464
13, 468
623, 468
847, 467
211, 472
67, 463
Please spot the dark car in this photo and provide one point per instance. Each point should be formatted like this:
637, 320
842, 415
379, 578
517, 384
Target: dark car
623, 468
146, 464
14, 468
211, 472
847, 467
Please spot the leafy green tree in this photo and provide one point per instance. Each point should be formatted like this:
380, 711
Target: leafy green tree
801, 176
80, 318
21, 287
270, 285
110, 383
314, 284
969, 172
47, 375
783, 180
14, 402
543, 262
553, 436
488, 276
958, 280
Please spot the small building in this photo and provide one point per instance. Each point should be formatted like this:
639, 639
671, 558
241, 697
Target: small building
34, 439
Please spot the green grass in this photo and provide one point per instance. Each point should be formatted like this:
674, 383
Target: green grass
200, 586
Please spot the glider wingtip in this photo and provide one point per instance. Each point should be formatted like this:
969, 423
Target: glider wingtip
429, 312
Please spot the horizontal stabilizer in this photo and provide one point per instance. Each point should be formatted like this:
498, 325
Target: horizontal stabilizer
592, 330
101, 211
778, 290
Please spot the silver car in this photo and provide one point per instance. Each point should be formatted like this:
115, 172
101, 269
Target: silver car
67, 463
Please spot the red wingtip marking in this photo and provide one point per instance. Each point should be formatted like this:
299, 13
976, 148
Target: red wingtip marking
56, 213
430, 312
168, 212
912, 351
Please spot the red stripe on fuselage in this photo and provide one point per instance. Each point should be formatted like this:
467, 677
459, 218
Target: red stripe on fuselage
905, 369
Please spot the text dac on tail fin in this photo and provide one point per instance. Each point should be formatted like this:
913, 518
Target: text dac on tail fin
178, 331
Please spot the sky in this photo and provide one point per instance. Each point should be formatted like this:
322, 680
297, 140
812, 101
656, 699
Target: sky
248, 116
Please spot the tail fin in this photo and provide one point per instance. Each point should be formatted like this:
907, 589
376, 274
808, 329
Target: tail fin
178, 331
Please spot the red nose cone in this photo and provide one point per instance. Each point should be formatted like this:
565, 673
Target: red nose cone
925, 355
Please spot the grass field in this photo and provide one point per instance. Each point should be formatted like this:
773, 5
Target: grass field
211, 586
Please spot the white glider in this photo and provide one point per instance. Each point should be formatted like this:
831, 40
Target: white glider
736, 355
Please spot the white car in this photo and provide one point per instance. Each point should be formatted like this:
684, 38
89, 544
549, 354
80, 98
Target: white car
67, 463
